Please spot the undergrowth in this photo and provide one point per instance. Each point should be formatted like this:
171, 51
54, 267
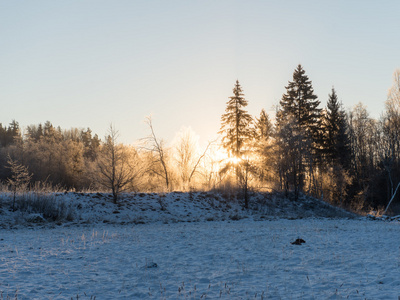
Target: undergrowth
43, 205
47, 205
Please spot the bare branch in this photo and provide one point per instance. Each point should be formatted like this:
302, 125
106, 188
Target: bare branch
158, 148
200, 158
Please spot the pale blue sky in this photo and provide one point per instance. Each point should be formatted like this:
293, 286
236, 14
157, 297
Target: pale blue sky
90, 63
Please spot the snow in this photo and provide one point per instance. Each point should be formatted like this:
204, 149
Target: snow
98, 208
242, 259
197, 246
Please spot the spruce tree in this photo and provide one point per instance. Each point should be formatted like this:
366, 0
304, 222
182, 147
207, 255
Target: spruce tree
236, 124
237, 136
263, 126
263, 146
331, 126
300, 105
9, 136
337, 147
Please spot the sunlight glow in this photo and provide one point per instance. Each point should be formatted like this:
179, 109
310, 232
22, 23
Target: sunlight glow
223, 157
234, 160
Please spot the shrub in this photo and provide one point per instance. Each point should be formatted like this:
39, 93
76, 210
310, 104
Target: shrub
47, 205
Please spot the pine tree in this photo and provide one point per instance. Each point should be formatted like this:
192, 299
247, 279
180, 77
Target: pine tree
236, 124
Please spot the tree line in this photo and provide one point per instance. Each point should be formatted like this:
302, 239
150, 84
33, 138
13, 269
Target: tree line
344, 157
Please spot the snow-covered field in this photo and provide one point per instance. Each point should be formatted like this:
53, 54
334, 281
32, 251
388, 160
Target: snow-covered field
245, 259
145, 208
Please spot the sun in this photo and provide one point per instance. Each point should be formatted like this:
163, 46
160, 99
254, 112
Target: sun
222, 156
234, 160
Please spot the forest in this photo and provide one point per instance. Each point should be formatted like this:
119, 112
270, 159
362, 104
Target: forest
345, 157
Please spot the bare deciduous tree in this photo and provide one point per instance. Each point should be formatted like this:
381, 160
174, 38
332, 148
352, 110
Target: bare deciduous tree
363, 130
187, 156
185, 150
115, 168
390, 141
394, 92
159, 152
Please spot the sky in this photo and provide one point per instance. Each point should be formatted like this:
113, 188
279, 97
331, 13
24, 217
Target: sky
95, 63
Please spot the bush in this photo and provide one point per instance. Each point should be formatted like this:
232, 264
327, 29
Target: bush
47, 205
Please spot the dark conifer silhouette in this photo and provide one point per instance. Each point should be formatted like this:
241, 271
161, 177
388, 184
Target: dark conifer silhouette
301, 103
300, 106
237, 135
236, 124
263, 126
337, 147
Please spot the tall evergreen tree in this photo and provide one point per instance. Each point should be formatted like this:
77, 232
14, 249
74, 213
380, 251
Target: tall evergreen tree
9, 136
337, 147
300, 105
292, 153
236, 124
237, 136
263, 126
263, 146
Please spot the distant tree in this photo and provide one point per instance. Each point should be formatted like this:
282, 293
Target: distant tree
34, 133
208, 169
390, 141
115, 171
9, 135
185, 152
237, 135
362, 130
187, 156
236, 128
293, 149
73, 163
337, 148
63, 158
335, 183
19, 179
364, 133
52, 134
246, 173
235, 123
264, 146
91, 144
394, 91
391, 119
13, 131
263, 126
159, 162
300, 105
